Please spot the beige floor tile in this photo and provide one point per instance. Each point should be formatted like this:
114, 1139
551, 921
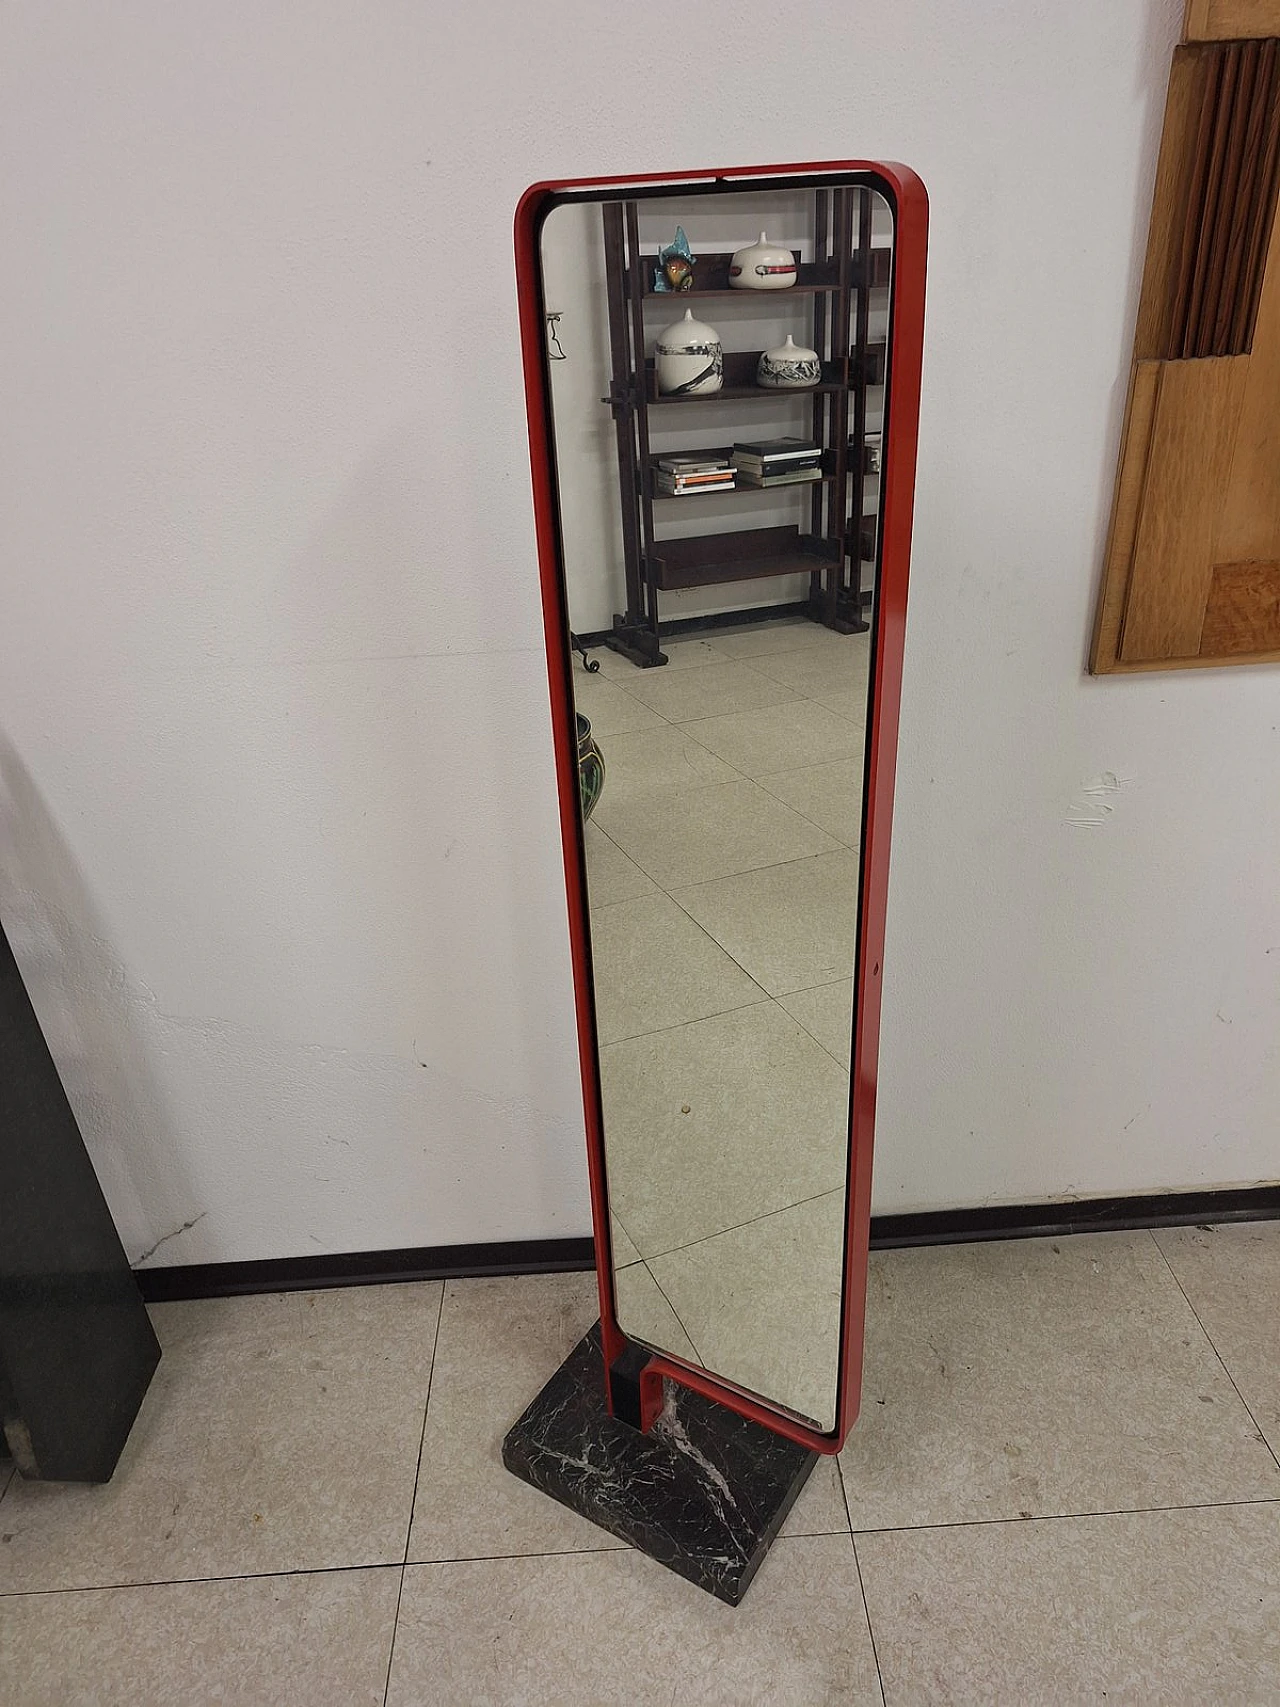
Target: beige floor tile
618, 1630
1031, 1377
789, 635
611, 876
654, 967
280, 1433
777, 738
762, 1303
661, 761
1161, 1607
500, 1341
756, 1087
682, 695
842, 667
290, 1641
611, 709
826, 1013
791, 926
645, 1314
828, 795
680, 655
733, 827
1232, 1277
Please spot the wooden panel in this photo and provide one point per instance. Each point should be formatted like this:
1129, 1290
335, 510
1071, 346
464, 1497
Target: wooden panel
1243, 612
1191, 446
1131, 474
1249, 528
1227, 20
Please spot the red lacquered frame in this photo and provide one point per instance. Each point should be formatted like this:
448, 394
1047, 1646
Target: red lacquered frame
907, 198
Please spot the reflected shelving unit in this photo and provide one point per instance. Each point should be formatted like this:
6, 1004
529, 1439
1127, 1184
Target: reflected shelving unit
835, 532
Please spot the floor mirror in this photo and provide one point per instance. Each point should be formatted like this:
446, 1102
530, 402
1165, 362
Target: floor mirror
722, 373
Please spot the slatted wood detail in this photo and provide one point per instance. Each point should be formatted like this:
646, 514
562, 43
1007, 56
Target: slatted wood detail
1228, 202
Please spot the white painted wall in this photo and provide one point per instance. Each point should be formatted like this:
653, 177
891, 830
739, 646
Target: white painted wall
277, 843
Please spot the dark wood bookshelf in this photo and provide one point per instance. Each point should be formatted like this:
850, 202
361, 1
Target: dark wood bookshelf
747, 554
711, 278
828, 542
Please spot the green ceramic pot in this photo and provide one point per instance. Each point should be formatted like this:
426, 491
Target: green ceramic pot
590, 768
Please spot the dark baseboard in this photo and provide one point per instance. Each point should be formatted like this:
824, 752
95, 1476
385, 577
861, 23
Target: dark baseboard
1077, 1215
558, 1256
365, 1268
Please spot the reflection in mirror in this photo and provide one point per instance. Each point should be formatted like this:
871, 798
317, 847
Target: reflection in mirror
718, 468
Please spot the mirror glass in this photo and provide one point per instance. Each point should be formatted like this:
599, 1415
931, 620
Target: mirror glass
716, 361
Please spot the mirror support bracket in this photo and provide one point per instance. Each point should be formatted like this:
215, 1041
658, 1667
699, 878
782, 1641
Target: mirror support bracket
635, 1388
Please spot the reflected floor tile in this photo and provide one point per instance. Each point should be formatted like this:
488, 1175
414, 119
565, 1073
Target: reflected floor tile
531, 1629
1030, 1377
818, 670
697, 1118
1167, 1606
785, 635
624, 1252
826, 1013
680, 655
661, 761
611, 876
682, 695
500, 1341
733, 827
1232, 1277
829, 796
280, 1433
645, 1314
790, 926
762, 1303
780, 737
852, 706
293, 1641
654, 967
611, 709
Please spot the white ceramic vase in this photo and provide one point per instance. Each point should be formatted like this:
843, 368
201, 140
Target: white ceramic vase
791, 367
689, 358
762, 266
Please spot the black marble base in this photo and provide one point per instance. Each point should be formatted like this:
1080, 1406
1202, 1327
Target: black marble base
704, 1492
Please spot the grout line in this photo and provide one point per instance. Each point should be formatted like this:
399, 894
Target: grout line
183, 1582
620, 1547
866, 1613
857, 1565
1066, 1516
680, 1024
1230, 1377
654, 1256
697, 1355
413, 1499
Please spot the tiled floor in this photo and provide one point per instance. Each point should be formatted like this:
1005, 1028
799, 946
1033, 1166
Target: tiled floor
1060, 1491
723, 868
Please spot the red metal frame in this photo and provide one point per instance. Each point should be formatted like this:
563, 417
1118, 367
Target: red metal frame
906, 194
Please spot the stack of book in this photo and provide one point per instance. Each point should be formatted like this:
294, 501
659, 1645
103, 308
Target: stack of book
676, 475
777, 462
